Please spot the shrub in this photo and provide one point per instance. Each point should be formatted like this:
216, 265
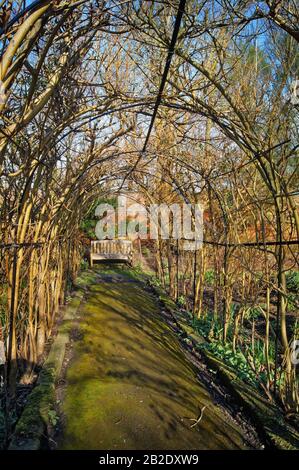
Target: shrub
292, 280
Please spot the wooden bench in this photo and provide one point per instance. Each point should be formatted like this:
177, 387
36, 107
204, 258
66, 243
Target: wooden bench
119, 251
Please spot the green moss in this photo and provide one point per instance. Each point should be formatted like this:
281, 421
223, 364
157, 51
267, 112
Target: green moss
35, 417
129, 385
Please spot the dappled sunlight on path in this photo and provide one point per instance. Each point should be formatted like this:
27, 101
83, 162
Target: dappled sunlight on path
129, 385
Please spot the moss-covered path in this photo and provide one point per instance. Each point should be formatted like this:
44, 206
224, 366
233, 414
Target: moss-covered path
129, 384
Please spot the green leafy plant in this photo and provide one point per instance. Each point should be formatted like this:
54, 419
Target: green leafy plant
253, 313
53, 417
210, 277
155, 281
235, 360
292, 280
83, 265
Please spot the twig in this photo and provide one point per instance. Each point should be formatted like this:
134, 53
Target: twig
198, 419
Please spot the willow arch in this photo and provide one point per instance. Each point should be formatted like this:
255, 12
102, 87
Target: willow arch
65, 137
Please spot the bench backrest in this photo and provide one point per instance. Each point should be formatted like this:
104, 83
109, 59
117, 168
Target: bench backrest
111, 247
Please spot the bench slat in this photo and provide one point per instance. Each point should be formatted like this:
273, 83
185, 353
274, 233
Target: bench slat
102, 250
